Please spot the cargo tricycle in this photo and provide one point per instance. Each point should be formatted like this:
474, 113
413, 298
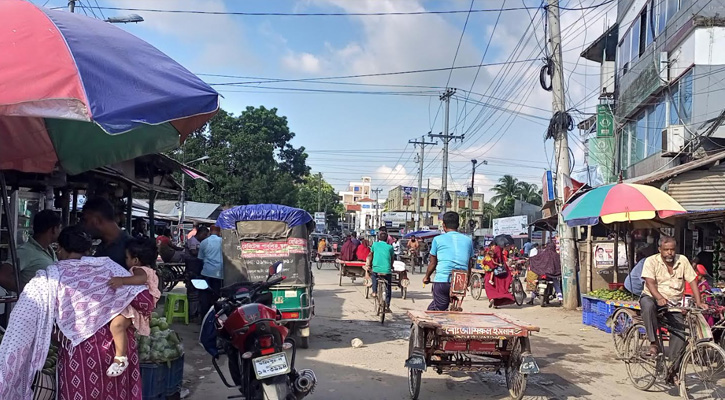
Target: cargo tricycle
456, 341
256, 236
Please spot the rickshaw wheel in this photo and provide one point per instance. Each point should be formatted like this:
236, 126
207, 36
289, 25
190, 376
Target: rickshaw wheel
304, 342
414, 378
622, 320
476, 286
414, 375
404, 292
342, 269
515, 380
367, 292
319, 265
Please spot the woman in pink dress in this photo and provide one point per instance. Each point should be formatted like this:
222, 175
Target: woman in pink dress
72, 297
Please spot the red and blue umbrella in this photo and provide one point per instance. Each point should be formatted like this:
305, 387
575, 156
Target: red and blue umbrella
80, 93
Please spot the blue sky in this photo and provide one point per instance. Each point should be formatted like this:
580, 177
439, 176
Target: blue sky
361, 134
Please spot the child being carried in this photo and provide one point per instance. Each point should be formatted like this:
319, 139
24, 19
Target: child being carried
141, 254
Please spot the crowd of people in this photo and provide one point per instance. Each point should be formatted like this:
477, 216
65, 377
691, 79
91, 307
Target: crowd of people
88, 288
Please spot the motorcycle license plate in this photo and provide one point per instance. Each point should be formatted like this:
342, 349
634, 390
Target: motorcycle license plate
542, 288
271, 365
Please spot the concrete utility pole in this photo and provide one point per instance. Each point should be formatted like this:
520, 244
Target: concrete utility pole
377, 207
446, 139
561, 149
421, 163
319, 191
427, 201
72, 5
471, 192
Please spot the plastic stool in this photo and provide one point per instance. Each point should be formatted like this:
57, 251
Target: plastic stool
172, 300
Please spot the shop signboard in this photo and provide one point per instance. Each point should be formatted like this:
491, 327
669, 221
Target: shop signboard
547, 187
605, 121
516, 226
407, 192
320, 221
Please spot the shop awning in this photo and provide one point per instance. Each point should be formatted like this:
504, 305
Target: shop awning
699, 190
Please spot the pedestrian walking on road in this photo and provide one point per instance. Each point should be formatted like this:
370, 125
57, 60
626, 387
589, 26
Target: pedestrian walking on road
210, 252
449, 251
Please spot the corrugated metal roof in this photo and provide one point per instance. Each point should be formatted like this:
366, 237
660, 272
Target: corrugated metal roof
699, 190
674, 171
192, 210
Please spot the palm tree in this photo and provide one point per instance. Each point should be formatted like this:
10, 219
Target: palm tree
507, 188
529, 193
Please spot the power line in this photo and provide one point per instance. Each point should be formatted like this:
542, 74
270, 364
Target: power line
342, 14
418, 71
460, 40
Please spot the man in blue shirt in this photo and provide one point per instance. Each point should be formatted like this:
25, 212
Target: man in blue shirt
210, 252
527, 247
449, 251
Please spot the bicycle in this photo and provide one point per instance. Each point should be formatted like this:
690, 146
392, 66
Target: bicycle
381, 305
702, 364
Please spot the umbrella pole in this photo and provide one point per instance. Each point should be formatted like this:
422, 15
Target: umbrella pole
615, 275
11, 231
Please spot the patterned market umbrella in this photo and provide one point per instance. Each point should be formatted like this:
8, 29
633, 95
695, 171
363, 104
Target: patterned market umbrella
80, 93
621, 202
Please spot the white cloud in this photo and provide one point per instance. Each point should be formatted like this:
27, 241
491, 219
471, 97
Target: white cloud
302, 62
218, 41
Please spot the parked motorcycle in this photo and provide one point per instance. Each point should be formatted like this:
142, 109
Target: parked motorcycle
545, 289
244, 325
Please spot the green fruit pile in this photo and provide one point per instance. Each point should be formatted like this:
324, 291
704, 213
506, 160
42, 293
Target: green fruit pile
606, 294
162, 345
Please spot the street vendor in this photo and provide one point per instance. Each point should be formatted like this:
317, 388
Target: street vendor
99, 219
36, 254
665, 275
451, 250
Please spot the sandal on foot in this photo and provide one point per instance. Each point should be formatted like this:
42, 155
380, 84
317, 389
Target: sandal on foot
120, 363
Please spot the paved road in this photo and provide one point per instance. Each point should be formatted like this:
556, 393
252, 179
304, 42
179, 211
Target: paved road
576, 361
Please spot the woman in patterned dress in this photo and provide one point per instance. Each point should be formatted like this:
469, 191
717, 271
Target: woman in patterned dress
73, 297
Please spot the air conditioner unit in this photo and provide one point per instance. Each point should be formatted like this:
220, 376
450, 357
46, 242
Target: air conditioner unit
673, 140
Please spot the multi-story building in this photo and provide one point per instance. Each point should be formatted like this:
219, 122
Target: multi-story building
663, 56
402, 199
357, 191
669, 65
669, 106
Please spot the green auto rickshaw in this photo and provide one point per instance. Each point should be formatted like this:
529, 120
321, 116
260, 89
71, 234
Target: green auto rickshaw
255, 237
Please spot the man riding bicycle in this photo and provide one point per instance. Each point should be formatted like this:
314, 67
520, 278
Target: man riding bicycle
381, 258
665, 275
449, 251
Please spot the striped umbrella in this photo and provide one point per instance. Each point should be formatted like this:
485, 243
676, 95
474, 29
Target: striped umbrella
80, 93
621, 202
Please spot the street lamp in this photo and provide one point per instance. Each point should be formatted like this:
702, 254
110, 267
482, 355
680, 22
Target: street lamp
125, 19
182, 200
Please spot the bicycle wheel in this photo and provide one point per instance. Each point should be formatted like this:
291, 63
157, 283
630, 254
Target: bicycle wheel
621, 322
476, 286
642, 371
518, 291
702, 374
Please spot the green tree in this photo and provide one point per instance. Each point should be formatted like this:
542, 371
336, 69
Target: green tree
529, 193
506, 189
250, 160
307, 199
